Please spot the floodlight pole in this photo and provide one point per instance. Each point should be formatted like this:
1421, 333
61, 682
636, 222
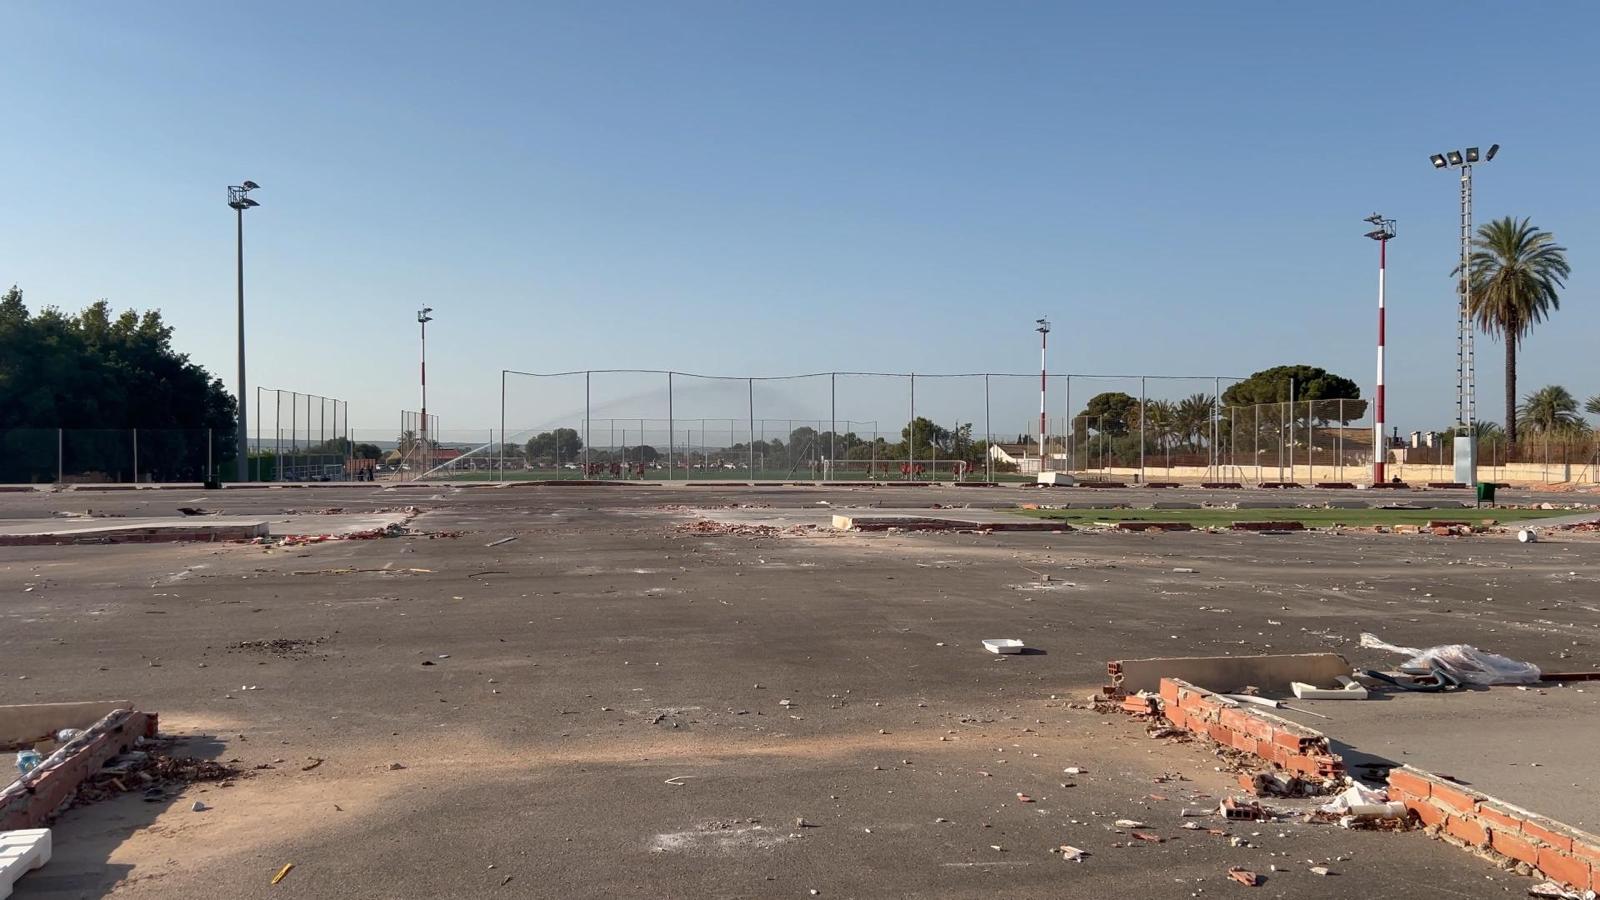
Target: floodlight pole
422, 320
1465, 443
239, 200
1044, 337
1382, 232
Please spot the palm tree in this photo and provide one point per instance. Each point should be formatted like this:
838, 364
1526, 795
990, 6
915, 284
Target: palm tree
1592, 405
1516, 270
1551, 409
1193, 419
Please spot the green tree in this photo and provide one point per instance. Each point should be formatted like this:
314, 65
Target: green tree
1551, 409
560, 445
1111, 412
1310, 383
1592, 405
368, 451
112, 373
1516, 272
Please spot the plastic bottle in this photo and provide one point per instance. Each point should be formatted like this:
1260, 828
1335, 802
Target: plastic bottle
27, 760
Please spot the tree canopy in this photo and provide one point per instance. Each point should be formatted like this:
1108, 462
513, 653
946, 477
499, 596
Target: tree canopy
112, 372
1272, 386
549, 446
1111, 412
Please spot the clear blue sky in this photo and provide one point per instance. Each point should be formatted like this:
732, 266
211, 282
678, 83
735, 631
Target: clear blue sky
769, 188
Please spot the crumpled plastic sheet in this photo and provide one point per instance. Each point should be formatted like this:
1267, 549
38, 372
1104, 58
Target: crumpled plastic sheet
1464, 661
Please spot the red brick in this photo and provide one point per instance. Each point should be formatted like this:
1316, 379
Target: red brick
1411, 784
1556, 839
1455, 798
1288, 739
1562, 867
1514, 847
1169, 691
1429, 813
1235, 720
1220, 735
1176, 716
1140, 706
1500, 821
1587, 851
1247, 783
1241, 741
1468, 829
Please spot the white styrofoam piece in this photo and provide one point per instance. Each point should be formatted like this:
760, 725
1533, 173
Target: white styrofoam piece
1002, 645
1350, 689
21, 852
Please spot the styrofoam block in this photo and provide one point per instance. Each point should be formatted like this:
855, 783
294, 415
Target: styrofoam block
21, 852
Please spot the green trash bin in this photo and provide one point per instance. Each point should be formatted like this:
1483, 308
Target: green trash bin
1485, 492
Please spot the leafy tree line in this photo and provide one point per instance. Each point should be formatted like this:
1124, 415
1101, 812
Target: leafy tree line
100, 374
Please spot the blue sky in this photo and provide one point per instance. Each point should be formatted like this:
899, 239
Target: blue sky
770, 188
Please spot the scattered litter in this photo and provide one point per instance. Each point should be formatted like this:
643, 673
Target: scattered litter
199, 806
504, 540
677, 780
1244, 876
1075, 770
314, 762
1024, 798
1349, 689
1555, 891
27, 761
1148, 837
1528, 536
1320, 870
282, 872
1129, 823
1364, 802
1183, 571
1255, 700
1462, 661
1002, 645
1192, 826
1072, 854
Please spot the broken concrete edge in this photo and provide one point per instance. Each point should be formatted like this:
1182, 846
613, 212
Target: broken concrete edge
1498, 830
1303, 752
26, 724
37, 804
842, 522
209, 534
1269, 671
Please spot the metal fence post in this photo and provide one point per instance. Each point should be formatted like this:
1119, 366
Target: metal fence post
671, 424
1142, 410
136, 456
208, 454
1072, 449
988, 429
833, 423
61, 467
587, 431
750, 387
911, 430
502, 424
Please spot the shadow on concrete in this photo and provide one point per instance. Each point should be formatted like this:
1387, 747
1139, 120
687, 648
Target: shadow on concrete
84, 838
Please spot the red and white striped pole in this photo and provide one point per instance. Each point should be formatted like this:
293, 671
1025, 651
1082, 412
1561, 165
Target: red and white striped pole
1383, 231
1044, 335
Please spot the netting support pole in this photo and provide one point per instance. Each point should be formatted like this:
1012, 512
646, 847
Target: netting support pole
1072, 450
1066, 426
586, 430
502, 455
1142, 410
988, 430
833, 423
61, 469
750, 386
671, 427
911, 430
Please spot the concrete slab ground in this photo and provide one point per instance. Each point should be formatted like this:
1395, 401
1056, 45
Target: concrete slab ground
1533, 748
227, 527
604, 714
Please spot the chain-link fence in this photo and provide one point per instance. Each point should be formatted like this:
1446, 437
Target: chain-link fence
827, 426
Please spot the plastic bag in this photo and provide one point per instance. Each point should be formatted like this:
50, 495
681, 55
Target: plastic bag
1464, 661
